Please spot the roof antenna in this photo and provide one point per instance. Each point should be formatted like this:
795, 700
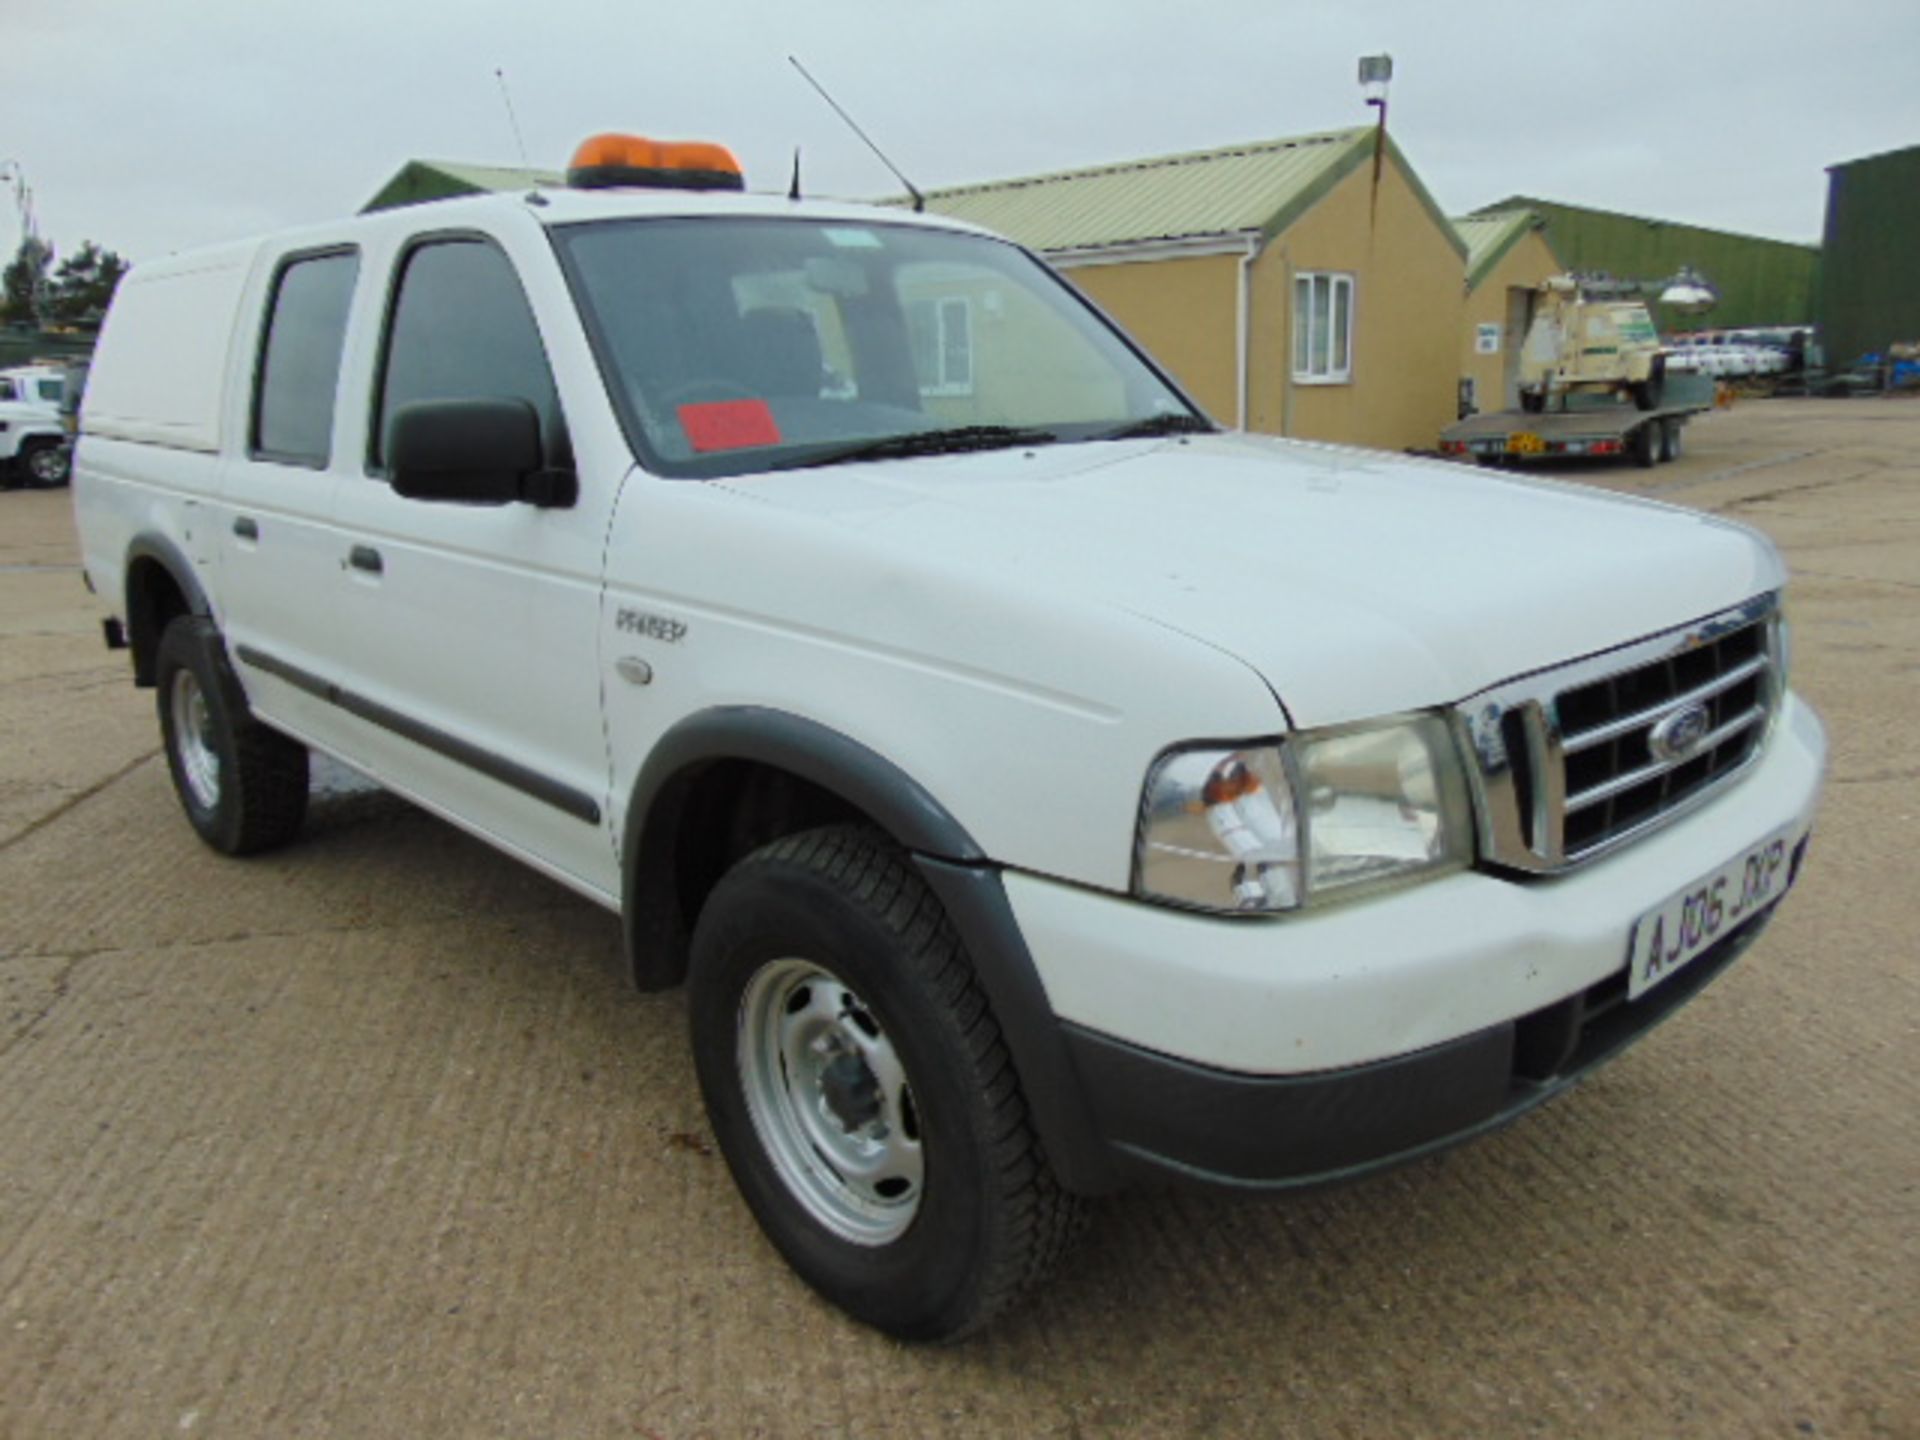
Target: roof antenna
919, 200
534, 197
793, 190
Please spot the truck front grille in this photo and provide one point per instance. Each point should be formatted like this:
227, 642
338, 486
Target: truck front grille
1570, 762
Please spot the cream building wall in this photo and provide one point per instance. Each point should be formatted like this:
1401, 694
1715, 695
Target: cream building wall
1183, 313
1407, 302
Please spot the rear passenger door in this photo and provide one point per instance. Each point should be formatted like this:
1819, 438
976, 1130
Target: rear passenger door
474, 656
278, 553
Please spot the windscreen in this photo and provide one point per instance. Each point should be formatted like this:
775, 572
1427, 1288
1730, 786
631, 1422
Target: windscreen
737, 344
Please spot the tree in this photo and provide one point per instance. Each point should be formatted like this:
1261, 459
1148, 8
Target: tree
25, 280
84, 284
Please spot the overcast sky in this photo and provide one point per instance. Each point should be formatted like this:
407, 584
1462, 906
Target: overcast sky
152, 126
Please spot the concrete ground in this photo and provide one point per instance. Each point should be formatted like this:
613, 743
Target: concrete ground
367, 1137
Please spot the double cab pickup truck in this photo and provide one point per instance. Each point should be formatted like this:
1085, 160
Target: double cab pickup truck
1039, 789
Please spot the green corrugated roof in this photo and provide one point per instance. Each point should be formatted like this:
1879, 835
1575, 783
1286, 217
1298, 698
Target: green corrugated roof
1261, 186
421, 180
1488, 238
1761, 282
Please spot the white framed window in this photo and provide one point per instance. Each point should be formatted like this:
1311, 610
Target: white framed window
1322, 328
941, 334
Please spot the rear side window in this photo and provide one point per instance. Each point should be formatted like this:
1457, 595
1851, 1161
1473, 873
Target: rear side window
300, 359
461, 329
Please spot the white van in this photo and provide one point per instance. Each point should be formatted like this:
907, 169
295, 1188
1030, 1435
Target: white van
1040, 789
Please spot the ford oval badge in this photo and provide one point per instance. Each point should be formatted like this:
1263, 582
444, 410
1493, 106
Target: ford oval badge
1679, 733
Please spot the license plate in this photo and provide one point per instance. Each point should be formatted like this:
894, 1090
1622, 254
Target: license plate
1525, 442
1666, 938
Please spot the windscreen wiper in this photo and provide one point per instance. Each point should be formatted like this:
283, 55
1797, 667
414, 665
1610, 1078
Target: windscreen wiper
1176, 423
951, 441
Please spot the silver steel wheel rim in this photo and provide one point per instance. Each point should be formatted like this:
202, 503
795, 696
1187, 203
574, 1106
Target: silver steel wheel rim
45, 465
830, 1102
192, 726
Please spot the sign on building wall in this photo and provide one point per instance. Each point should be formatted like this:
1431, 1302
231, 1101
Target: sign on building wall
1486, 340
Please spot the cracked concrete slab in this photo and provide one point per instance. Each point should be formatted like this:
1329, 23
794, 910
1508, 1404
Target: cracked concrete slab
369, 1138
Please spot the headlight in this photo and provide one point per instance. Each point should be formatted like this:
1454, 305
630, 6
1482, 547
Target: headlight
1271, 827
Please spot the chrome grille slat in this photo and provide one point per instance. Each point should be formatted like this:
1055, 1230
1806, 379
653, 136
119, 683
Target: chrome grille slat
1620, 784
1587, 739
1589, 728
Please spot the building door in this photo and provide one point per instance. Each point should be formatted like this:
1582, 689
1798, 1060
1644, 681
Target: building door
1519, 321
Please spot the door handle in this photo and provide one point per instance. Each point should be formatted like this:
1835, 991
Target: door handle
246, 528
365, 557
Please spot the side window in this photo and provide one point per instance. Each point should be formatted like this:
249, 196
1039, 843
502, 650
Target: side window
1322, 327
300, 359
461, 329
7, 390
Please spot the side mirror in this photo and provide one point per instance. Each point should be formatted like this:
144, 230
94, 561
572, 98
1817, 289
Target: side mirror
473, 452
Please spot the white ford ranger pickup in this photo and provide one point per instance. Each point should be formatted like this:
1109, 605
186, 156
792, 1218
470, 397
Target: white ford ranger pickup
1039, 789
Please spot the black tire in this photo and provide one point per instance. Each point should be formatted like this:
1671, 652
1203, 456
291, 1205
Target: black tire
243, 786
1644, 444
1669, 440
841, 920
1533, 401
45, 464
1649, 392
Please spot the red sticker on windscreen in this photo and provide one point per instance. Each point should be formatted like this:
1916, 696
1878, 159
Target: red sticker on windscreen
729, 425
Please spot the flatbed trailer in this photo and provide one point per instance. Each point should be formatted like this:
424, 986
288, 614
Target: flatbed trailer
1601, 425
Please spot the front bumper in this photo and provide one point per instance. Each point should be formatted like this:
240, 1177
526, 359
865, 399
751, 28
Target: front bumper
1270, 1051
1164, 1116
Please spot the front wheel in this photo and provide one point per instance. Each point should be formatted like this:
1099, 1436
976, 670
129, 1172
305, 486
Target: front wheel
243, 786
860, 1090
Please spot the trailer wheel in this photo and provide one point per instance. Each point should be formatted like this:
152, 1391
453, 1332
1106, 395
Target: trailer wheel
1669, 439
1645, 444
1533, 401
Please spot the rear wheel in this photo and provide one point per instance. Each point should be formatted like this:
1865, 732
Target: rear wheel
1669, 439
1533, 401
243, 786
859, 1088
46, 463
